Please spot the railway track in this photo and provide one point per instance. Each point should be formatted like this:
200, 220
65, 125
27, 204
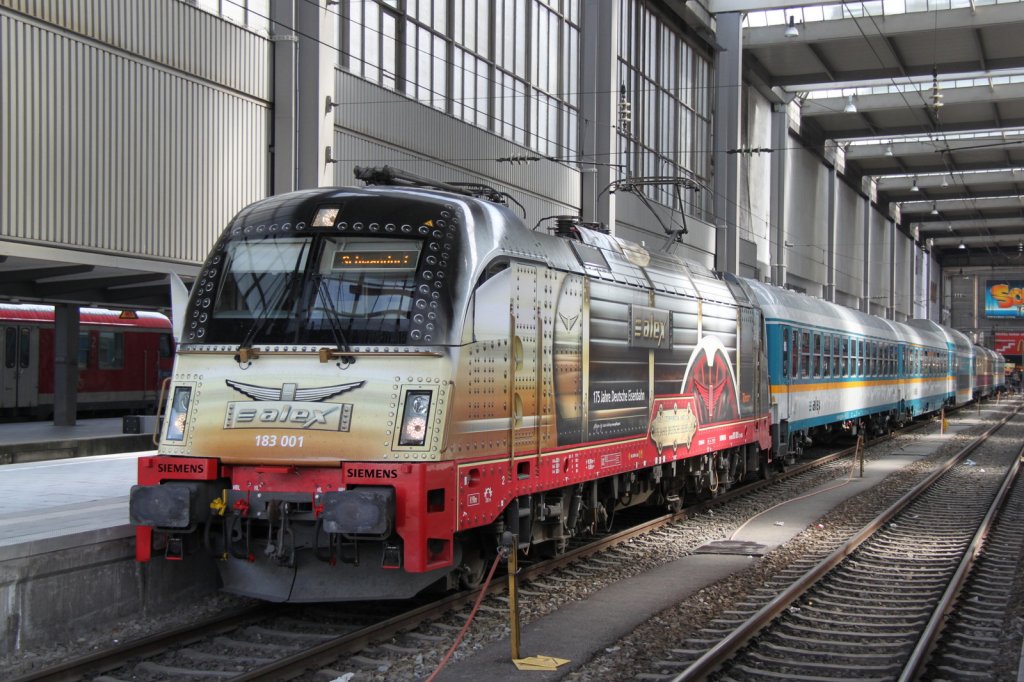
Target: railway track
270, 642
873, 607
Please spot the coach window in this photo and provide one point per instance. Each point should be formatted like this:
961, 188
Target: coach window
817, 354
835, 356
805, 354
84, 344
826, 354
25, 352
111, 350
859, 371
794, 353
164, 346
785, 352
10, 344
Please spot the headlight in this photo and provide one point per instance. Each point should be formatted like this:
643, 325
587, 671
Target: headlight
414, 418
178, 417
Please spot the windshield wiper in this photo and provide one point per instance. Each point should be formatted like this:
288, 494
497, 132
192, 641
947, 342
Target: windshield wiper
334, 320
245, 349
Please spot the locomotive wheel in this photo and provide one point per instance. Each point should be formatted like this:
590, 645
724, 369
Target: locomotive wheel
473, 566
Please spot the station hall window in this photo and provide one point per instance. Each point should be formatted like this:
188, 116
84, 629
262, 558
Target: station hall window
507, 66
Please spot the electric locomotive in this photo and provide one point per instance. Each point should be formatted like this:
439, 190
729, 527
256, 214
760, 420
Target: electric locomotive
374, 384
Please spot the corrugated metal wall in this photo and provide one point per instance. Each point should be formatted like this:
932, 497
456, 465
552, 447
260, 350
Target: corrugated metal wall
136, 128
430, 143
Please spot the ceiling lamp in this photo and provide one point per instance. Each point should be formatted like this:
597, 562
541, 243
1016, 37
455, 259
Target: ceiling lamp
915, 188
962, 245
945, 181
851, 106
888, 150
935, 209
791, 30
936, 95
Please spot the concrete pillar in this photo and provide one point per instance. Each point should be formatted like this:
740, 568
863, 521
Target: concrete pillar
286, 54
830, 236
892, 270
65, 365
915, 254
865, 296
728, 89
777, 205
599, 38
317, 28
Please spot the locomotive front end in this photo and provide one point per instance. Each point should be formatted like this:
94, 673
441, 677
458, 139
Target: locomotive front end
305, 429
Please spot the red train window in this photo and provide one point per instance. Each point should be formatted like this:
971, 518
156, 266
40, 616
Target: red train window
24, 352
111, 350
10, 347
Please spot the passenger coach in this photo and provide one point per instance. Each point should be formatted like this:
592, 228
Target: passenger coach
832, 368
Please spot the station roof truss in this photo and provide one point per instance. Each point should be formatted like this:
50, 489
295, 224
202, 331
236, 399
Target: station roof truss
925, 97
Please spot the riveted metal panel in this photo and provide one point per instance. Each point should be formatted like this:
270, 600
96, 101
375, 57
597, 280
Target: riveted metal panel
111, 153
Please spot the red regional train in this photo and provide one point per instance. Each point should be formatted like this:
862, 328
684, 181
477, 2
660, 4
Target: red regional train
122, 361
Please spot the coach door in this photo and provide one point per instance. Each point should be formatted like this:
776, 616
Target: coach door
19, 366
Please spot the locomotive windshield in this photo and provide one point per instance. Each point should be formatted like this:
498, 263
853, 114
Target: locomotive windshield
310, 290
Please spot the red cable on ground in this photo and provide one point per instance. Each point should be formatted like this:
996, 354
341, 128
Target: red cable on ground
469, 621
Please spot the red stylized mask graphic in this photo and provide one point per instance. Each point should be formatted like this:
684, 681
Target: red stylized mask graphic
712, 384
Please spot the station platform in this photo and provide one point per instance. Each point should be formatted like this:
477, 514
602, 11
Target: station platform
59, 504
41, 440
67, 550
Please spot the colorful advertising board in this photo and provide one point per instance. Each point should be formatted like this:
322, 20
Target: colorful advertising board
1004, 298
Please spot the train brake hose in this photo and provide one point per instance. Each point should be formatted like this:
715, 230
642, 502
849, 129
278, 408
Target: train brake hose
472, 615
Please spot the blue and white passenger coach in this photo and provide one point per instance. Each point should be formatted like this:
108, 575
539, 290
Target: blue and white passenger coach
962, 374
832, 367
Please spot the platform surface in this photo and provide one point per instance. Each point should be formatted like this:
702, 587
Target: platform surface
46, 431
60, 503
